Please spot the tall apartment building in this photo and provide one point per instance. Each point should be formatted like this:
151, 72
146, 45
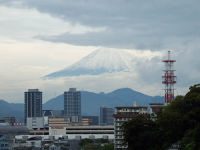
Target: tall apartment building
32, 104
122, 115
106, 116
72, 105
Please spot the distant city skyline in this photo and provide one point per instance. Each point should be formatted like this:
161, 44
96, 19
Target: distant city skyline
38, 38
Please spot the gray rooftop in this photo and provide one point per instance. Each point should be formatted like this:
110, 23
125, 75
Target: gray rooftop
13, 130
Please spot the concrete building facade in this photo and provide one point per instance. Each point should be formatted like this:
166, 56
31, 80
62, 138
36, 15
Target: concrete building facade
81, 132
72, 105
92, 120
122, 115
35, 123
106, 116
32, 104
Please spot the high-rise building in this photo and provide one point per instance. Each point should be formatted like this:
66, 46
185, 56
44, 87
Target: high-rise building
32, 104
122, 115
72, 105
106, 116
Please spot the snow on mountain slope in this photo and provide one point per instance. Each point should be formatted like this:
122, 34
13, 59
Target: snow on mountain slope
104, 60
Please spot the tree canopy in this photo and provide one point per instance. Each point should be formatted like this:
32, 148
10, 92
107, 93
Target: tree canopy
97, 144
179, 122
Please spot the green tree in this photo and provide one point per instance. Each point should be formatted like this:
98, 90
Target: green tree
96, 144
178, 122
108, 146
141, 133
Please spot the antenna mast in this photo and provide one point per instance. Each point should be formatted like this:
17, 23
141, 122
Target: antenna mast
169, 79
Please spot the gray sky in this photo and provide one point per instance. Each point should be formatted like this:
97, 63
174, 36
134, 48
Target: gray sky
40, 37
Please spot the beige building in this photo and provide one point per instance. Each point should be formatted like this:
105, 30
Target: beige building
58, 121
86, 121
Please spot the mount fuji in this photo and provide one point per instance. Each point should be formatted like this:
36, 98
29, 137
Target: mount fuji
104, 60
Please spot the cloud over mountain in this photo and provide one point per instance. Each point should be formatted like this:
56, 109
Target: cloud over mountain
104, 60
33, 29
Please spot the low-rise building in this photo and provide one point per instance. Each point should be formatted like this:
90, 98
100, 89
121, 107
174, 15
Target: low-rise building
90, 120
10, 120
58, 121
45, 142
86, 121
4, 143
34, 142
35, 123
13, 130
81, 132
39, 132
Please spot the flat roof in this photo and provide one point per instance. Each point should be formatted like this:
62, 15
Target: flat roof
13, 130
132, 107
128, 115
156, 104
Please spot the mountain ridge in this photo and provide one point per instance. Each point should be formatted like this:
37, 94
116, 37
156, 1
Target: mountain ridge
90, 102
119, 97
11, 109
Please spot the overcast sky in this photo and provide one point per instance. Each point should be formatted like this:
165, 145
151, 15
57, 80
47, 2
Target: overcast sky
39, 37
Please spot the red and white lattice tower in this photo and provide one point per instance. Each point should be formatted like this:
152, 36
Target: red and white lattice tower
169, 79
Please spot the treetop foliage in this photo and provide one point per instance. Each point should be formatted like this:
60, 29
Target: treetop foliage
179, 122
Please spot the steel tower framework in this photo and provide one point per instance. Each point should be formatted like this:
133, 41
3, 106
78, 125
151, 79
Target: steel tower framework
169, 79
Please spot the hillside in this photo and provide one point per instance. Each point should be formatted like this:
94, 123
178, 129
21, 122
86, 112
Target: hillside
11, 109
91, 102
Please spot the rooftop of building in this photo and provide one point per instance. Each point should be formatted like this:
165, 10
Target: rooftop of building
33, 90
128, 115
90, 127
13, 130
132, 107
156, 104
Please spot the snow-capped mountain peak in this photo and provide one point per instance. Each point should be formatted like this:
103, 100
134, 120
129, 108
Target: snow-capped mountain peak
103, 60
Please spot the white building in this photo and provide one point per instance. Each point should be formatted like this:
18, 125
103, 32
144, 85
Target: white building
81, 132
122, 115
35, 123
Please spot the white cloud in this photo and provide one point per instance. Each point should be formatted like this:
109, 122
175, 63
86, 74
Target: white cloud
159, 26
26, 23
23, 63
154, 25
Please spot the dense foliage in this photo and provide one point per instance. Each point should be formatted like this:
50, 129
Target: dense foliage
96, 144
140, 133
179, 122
